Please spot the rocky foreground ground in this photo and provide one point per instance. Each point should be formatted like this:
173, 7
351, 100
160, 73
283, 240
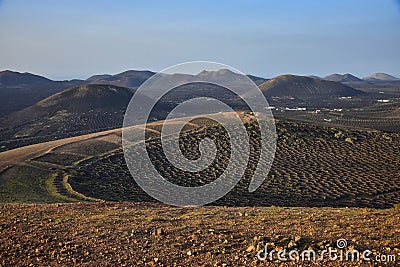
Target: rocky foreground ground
140, 234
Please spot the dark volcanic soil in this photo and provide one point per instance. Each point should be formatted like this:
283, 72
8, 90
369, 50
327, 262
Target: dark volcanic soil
140, 234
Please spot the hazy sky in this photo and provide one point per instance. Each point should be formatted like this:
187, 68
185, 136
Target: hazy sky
66, 39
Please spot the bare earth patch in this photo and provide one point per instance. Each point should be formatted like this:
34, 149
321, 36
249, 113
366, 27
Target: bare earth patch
142, 234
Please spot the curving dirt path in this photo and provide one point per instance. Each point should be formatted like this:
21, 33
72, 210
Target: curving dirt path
18, 155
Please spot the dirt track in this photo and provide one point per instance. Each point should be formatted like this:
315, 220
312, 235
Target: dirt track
18, 155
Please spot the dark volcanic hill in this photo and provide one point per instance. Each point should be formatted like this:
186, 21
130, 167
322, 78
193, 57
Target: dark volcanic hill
88, 108
380, 77
95, 107
130, 78
342, 78
305, 87
20, 90
134, 78
12, 78
257, 80
378, 82
98, 77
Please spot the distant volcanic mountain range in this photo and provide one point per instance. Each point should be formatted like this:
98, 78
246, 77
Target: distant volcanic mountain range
302, 86
35, 107
134, 78
20, 90
342, 78
90, 107
380, 77
351, 78
15, 79
130, 78
374, 83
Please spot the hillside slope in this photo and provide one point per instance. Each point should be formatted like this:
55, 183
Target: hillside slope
130, 78
342, 78
379, 76
301, 86
87, 108
20, 90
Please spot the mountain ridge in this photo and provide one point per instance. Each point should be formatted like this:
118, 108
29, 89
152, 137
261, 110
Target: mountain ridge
380, 76
342, 78
84, 108
304, 86
20, 90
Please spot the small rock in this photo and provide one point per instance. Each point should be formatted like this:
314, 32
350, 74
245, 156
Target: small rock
292, 244
159, 232
250, 248
324, 244
270, 244
284, 240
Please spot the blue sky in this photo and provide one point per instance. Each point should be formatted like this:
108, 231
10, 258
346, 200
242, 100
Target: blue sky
74, 39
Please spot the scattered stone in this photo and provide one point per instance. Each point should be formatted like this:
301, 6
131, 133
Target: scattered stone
284, 240
159, 232
250, 248
292, 244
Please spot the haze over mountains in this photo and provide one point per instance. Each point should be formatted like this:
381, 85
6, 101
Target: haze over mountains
34, 106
